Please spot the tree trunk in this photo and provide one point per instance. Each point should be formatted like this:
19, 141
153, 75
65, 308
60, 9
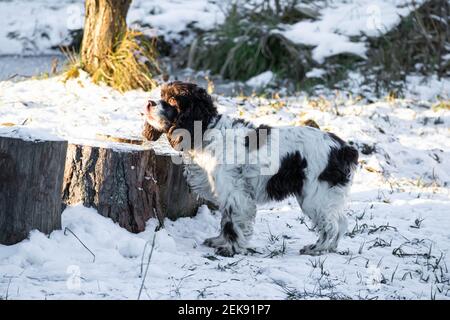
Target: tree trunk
128, 186
105, 22
31, 175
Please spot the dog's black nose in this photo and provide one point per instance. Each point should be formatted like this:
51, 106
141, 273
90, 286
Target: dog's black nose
150, 104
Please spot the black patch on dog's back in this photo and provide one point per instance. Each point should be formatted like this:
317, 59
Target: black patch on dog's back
289, 178
340, 164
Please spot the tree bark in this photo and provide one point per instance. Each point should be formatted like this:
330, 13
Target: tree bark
128, 186
177, 200
105, 22
31, 175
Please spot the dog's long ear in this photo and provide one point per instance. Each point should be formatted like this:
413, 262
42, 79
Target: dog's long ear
150, 133
193, 104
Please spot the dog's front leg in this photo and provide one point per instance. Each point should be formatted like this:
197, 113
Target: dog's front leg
238, 208
236, 227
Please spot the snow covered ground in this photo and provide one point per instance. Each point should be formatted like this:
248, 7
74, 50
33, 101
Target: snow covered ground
398, 240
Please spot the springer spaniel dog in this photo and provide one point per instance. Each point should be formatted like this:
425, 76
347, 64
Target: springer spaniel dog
274, 163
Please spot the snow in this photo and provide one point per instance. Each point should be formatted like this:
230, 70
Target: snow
29, 32
68, 109
169, 18
315, 73
339, 20
326, 43
368, 17
28, 134
419, 86
404, 177
261, 80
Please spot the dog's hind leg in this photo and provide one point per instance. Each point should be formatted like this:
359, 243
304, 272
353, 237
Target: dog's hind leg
325, 209
325, 197
330, 230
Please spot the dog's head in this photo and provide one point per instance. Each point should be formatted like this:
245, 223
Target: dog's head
180, 106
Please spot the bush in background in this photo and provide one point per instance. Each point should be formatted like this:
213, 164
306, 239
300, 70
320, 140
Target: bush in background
418, 44
247, 43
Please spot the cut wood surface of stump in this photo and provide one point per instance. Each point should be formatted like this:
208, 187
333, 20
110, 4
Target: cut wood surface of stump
31, 175
127, 183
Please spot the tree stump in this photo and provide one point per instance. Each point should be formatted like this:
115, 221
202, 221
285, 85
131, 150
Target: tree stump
177, 200
128, 184
31, 175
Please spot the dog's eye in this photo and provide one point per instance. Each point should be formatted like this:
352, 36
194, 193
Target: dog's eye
151, 103
172, 102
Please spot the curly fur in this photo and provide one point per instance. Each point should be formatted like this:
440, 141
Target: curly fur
192, 104
313, 166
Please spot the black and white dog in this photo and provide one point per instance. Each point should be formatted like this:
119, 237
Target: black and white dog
314, 166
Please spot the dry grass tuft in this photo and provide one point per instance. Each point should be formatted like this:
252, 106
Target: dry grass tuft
73, 65
442, 105
131, 65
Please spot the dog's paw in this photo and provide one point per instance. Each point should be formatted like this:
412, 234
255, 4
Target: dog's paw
226, 248
225, 251
312, 250
215, 242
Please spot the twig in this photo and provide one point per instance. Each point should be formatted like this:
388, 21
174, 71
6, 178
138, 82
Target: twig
65, 233
7, 289
148, 264
142, 259
392, 277
12, 76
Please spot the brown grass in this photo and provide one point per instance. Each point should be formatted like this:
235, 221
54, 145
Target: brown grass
131, 65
